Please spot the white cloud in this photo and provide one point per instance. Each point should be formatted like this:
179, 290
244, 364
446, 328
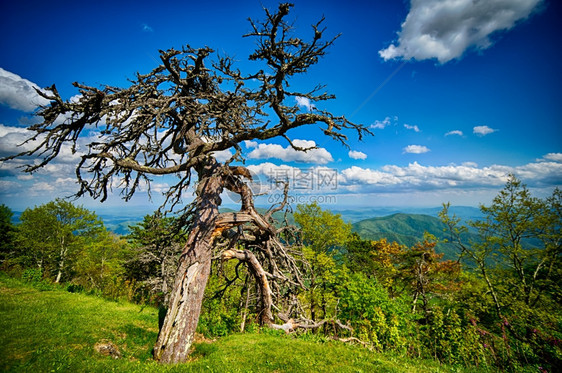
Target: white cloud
455, 132
268, 173
19, 93
415, 176
445, 29
302, 180
412, 184
288, 154
381, 124
7, 130
41, 187
555, 157
250, 144
223, 155
414, 127
11, 138
357, 155
367, 176
156, 187
483, 130
416, 149
305, 102
8, 186
147, 28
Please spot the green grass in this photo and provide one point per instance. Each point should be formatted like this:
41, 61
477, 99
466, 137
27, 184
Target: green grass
44, 329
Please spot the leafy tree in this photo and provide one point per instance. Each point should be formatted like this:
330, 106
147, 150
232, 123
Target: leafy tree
518, 257
54, 233
426, 275
157, 245
100, 264
358, 255
7, 231
324, 235
321, 230
520, 236
173, 120
367, 307
385, 258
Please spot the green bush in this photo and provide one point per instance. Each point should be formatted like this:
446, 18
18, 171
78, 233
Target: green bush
32, 275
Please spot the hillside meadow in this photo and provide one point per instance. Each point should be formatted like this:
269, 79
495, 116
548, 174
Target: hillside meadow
48, 329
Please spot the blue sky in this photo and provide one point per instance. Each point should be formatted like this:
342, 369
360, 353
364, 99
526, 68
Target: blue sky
457, 93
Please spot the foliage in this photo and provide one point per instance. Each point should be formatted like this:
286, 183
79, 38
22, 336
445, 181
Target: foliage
33, 275
425, 275
323, 235
52, 235
7, 231
60, 242
517, 258
375, 317
156, 244
225, 309
100, 265
321, 230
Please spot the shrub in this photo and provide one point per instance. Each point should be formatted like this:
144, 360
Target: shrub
32, 275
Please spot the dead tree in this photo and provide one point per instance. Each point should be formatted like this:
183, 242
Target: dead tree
171, 121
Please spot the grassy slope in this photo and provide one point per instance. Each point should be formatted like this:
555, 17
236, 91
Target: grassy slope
53, 330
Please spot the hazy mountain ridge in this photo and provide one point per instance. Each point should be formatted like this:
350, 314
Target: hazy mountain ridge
403, 225
355, 215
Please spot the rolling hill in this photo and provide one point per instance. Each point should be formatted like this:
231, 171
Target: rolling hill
406, 229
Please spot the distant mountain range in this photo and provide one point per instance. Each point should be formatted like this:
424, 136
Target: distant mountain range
403, 225
406, 229
355, 215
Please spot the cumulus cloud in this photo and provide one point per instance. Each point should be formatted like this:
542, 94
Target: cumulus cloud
414, 127
455, 132
445, 29
12, 142
416, 149
483, 130
41, 187
270, 169
302, 180
357, 155
11, 138
305, 102
288, 154
250, 144
381, 124
367, 176
555, 157
8, 130
8, 186
223, 155
19, 93
469, 175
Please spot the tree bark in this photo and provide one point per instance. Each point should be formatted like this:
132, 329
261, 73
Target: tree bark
61, 262
176, 335
266, 317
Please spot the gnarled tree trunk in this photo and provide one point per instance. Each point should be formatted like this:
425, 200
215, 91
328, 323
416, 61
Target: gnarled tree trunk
176, 335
